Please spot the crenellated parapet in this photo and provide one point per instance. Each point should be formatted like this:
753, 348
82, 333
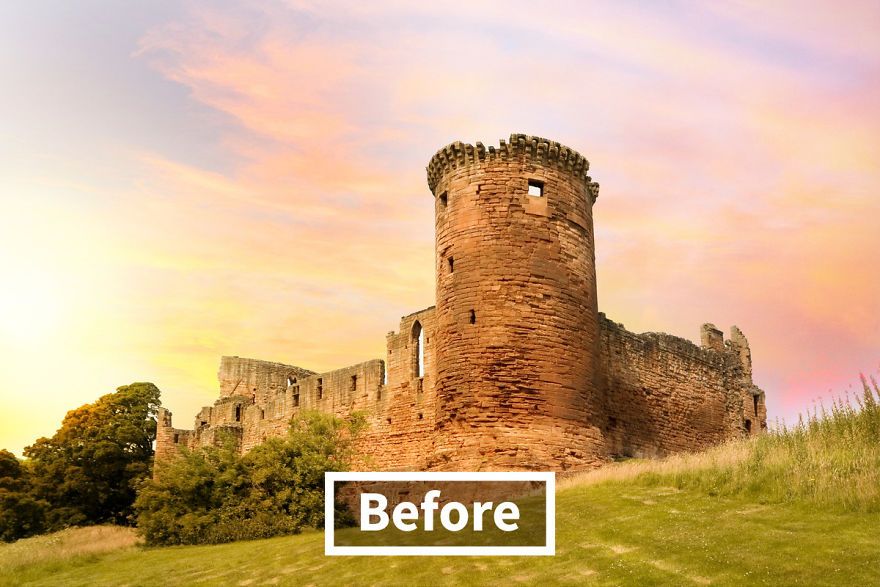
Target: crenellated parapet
542, 151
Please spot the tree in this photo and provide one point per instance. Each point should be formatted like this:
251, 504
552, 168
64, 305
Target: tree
89, 470
213, 494
20, 514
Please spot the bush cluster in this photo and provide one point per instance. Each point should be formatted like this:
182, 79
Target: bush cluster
212, 494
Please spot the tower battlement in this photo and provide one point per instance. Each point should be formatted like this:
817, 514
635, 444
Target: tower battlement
520, 146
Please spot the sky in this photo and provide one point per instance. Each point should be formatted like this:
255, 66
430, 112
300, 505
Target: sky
181, 181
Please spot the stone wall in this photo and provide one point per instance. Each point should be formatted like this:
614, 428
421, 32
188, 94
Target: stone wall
259, 398
664, 394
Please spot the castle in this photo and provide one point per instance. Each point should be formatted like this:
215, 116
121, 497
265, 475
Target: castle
515, 367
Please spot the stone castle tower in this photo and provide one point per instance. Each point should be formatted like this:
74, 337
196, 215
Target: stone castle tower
515, 367
517, 317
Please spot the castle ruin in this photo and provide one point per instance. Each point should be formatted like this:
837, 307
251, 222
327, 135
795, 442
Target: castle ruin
515, 367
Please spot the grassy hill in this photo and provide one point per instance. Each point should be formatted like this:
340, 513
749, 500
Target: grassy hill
798, 507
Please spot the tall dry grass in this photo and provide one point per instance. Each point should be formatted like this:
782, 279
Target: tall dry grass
65, 545
830, 458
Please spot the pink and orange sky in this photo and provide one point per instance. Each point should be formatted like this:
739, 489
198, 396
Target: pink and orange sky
184, 181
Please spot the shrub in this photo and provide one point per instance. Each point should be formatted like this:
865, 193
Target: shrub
212, 495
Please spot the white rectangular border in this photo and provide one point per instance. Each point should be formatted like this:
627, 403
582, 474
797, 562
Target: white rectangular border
330, 478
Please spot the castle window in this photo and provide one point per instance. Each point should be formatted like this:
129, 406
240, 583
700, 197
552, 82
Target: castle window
536, 188
262, 414
238, 413
451, 264
755, 400
418, 339
296, 399
321, 392
176, 438
320, 387
444, 200
290, 380
354, 382
473, 317
748, 424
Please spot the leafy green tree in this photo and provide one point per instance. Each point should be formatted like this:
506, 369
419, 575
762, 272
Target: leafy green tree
89, 470
20, 514
213, 495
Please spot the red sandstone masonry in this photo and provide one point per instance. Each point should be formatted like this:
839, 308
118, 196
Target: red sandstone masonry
520, 369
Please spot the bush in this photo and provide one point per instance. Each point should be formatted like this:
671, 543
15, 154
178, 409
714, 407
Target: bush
212, 495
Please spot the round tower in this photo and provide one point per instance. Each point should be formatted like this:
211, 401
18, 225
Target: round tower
517, 322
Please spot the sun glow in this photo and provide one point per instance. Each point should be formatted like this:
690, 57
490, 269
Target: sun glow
30, 307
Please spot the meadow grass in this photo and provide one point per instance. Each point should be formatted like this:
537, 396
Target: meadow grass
830, 458
798, 506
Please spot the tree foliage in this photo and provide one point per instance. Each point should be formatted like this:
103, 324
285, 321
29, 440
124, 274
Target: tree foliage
213, 495
88, 472
20, 514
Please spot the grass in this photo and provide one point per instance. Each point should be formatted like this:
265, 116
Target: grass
58, 549
797, 507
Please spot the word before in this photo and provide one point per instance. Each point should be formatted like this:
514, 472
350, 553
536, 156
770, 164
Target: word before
374, 505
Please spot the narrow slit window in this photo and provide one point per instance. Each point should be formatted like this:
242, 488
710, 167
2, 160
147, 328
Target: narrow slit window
536, 188
238, 413
418, 339
755, 400
444, 200
354, 382
296, 400
176, 438
321, 392
320, 387
451, 264
473, 317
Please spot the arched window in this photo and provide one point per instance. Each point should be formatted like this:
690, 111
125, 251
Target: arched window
418, 336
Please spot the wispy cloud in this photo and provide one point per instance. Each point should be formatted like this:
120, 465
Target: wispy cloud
287, 215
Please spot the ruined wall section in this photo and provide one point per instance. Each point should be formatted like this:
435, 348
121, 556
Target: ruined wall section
169, 439
664, 394
240, 376
259, 398
402, 421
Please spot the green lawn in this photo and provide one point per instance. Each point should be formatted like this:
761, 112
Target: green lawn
609, 533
